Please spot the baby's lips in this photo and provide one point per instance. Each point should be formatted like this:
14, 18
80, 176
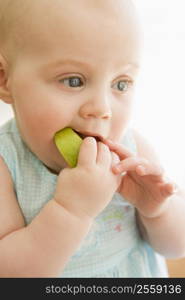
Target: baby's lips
84, 134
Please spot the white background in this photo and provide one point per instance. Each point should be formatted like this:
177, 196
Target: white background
160, 96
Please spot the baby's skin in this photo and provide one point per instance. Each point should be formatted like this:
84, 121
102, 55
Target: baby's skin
68, 65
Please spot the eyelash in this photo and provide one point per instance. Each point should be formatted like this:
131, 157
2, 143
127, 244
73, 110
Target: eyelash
127, 81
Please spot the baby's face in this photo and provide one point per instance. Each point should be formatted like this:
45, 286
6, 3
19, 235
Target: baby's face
77, 69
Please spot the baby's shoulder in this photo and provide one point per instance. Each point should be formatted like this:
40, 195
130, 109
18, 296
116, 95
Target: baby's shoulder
11, 218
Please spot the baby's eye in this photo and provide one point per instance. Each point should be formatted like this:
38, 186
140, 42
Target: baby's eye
122, 85
73, 81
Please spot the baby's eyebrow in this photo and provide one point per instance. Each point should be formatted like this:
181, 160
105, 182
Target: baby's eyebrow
61, 62
67, 62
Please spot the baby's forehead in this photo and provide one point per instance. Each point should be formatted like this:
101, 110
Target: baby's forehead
39, 11
61, 13
35, 21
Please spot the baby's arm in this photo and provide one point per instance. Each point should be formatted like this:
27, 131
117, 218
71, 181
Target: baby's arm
159, 208
43, 248
38, 249
165, 232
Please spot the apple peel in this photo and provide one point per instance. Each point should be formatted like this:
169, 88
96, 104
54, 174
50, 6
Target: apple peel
68, 143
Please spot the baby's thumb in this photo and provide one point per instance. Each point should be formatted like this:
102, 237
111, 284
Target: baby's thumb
88, 152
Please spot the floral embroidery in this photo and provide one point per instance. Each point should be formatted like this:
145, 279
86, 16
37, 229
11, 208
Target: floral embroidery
118, 215
118, 228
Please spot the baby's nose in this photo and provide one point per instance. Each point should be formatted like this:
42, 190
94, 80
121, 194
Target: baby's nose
96, 109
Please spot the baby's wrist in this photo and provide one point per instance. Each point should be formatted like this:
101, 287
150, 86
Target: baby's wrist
74, 212
157, 212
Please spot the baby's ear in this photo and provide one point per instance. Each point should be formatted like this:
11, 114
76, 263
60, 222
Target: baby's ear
5, 94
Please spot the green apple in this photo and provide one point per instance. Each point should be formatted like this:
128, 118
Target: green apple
68, 143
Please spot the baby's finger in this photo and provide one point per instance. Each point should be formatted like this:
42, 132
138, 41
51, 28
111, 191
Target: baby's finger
115, 158
145, 168
119, 149
141, 165
103, 154
88, 152
168, 189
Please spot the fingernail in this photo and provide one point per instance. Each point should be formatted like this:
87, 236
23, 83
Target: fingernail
118, 168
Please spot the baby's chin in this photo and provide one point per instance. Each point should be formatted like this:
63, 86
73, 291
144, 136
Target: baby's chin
56, 170
55, 166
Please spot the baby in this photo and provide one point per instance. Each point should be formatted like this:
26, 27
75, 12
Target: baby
74, 63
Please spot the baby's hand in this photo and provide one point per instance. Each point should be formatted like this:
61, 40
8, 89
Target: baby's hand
144, 183
86, 189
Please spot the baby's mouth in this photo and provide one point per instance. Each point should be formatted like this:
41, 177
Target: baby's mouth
84, 134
